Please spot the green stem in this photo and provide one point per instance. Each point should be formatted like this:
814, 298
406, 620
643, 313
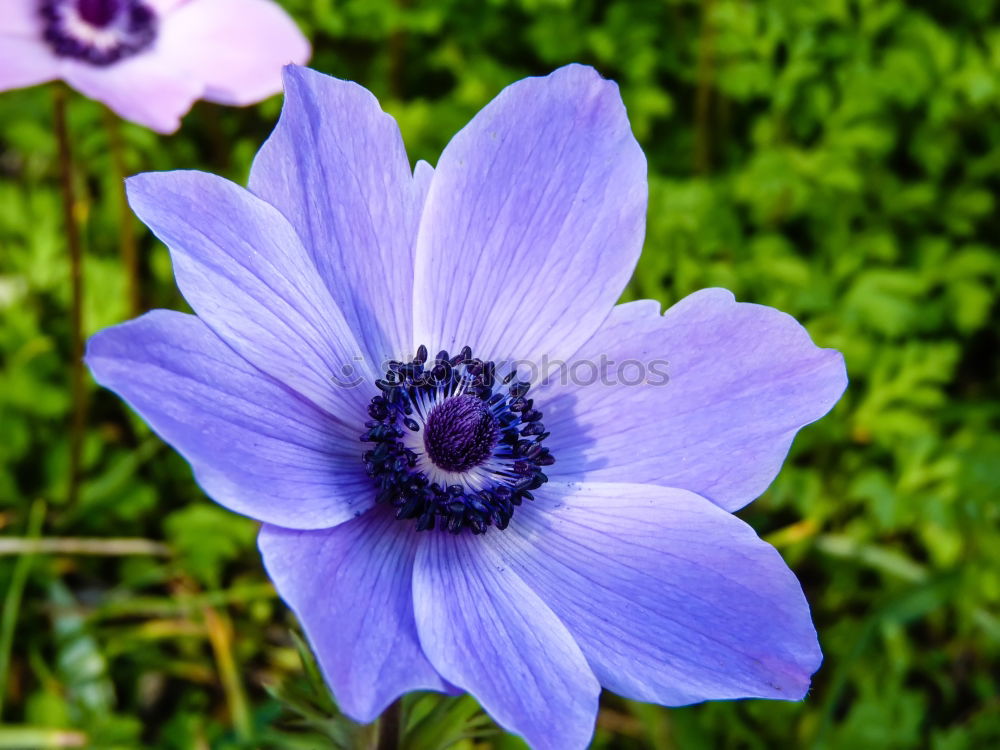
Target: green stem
81, 546
220, 635
28, 738
12, 601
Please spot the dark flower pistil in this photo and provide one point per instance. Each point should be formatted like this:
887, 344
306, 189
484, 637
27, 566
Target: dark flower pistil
454, 447
99, 32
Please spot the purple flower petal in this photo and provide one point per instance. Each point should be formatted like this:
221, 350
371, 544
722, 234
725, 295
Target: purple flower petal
336, 167
143, 89
244, 271
423, 173
255, 447
534, 221
672, 599
743, 379
350, 587
25, 62
486, 632
237, 48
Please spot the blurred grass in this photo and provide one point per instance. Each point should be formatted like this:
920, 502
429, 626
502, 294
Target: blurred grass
839, 160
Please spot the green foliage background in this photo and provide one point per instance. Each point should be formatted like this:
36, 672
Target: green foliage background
838, 159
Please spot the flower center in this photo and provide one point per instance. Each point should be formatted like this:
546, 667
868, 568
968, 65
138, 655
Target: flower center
454, 447
98, 32
460, 433
97, 13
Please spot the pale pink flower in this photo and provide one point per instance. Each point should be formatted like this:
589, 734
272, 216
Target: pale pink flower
149, 60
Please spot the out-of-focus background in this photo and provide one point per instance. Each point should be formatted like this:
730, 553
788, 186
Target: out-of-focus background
838, 159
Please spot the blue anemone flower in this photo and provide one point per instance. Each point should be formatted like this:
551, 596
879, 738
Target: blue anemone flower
475, 471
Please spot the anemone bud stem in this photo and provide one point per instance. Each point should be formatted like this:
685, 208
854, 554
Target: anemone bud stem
72, 227
126, 225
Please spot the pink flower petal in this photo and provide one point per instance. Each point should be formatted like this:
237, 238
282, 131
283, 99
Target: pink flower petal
143, 89
25, 62
19, 18
165, 6
236, 48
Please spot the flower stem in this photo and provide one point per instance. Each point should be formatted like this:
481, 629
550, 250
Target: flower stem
12, 600
106, 547
220, 635
703, 94
126, 226
79, 407
390, 726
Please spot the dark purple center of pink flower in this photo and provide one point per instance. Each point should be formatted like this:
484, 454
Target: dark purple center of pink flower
453, 446
460, 433
98, 13
98, 32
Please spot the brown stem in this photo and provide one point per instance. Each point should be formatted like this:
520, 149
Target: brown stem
126, 226
80, 546
79, 413
397, 55
703, 94
390, 726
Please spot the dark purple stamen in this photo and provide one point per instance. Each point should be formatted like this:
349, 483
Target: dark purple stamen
120, 29
470, 427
